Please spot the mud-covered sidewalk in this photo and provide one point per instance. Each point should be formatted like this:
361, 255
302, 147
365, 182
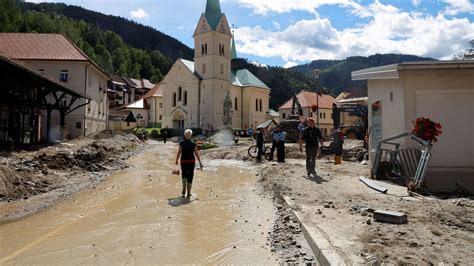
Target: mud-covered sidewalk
338, 207
33, 180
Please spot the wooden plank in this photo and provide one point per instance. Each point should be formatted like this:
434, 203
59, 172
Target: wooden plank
373, 185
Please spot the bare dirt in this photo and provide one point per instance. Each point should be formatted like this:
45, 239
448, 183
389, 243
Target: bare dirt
33, 180
438, 231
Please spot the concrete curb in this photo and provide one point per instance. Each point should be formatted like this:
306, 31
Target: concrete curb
325, 253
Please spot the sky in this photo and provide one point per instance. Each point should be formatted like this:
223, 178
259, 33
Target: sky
291, 32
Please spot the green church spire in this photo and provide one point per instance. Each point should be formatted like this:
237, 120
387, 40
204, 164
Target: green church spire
233, 53
213, 13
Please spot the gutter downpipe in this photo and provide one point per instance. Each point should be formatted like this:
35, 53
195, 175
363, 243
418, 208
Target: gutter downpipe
85, 93
199, 102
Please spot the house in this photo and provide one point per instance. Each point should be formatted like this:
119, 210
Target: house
440, 90
308, 99
207, 92
26, 95
58, 58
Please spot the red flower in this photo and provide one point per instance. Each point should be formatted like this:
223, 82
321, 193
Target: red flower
426, 129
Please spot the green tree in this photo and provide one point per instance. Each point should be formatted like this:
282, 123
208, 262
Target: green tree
10, 17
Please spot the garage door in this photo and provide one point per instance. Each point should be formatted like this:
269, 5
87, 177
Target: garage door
454, 109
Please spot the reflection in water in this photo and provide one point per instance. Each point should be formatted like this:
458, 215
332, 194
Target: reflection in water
136, 216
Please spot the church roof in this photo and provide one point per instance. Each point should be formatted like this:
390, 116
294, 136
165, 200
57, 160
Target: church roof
188, 64
213, 13
245, 78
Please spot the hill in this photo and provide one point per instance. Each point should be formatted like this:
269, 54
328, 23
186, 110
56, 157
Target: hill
336, 74
132, 33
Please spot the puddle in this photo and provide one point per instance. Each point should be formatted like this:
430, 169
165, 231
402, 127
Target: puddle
138, 216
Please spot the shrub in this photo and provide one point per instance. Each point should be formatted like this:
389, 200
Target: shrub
154, 134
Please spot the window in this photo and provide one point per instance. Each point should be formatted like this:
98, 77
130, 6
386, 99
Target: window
283, 115
180, 93
64, 76
202, 49
320, 115
174, 99
161, 117
203, 68
222, 68
223, 51
161, 105
260, 105
391, 96
185, 98
235, 104
205, 48
78, 125
256, 105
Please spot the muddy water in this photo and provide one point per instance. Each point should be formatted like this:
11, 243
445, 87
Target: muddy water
138, 217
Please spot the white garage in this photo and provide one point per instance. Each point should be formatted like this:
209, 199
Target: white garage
440, 90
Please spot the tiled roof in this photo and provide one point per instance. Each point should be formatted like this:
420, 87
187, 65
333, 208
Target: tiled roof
245, 78
39, 46
156, 91
307, 98
130, 82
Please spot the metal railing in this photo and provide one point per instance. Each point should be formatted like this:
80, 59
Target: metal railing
413, 160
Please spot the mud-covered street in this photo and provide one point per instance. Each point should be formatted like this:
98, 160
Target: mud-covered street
137, 215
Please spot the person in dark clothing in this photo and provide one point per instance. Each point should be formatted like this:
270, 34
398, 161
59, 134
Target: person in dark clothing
187, 155
281, 136
274, 142
259, 139
337, 145
312, 137
165, 135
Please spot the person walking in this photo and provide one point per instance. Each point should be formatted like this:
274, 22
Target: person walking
165, 135
274, 142
337, 145
281, 145
259, 139
312, 137
187, 155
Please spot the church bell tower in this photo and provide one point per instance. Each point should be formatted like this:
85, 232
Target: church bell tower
212, 58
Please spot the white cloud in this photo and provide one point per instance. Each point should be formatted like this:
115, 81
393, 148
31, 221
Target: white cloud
263, 7
139, 14
276, 25
388, 30
290, 64
184, 27
455, 7
416, 2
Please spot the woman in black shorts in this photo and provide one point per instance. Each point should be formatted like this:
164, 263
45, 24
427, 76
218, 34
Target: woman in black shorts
188, 153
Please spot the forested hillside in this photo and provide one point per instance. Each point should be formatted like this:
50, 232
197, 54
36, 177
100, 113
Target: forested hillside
132, 33
106, 48
336, 74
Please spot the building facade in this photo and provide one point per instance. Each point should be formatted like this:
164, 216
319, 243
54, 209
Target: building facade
57, 57
308, 99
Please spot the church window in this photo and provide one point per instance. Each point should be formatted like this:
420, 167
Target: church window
202, 49
256, 105
180, 92
203, 68
235, 104
185, 98
223, 51
222, 68
174, 99
260, 105
205, 48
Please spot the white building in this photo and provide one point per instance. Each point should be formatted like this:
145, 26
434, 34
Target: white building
57, 57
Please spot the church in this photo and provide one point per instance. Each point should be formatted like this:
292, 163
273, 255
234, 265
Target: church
208, 93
